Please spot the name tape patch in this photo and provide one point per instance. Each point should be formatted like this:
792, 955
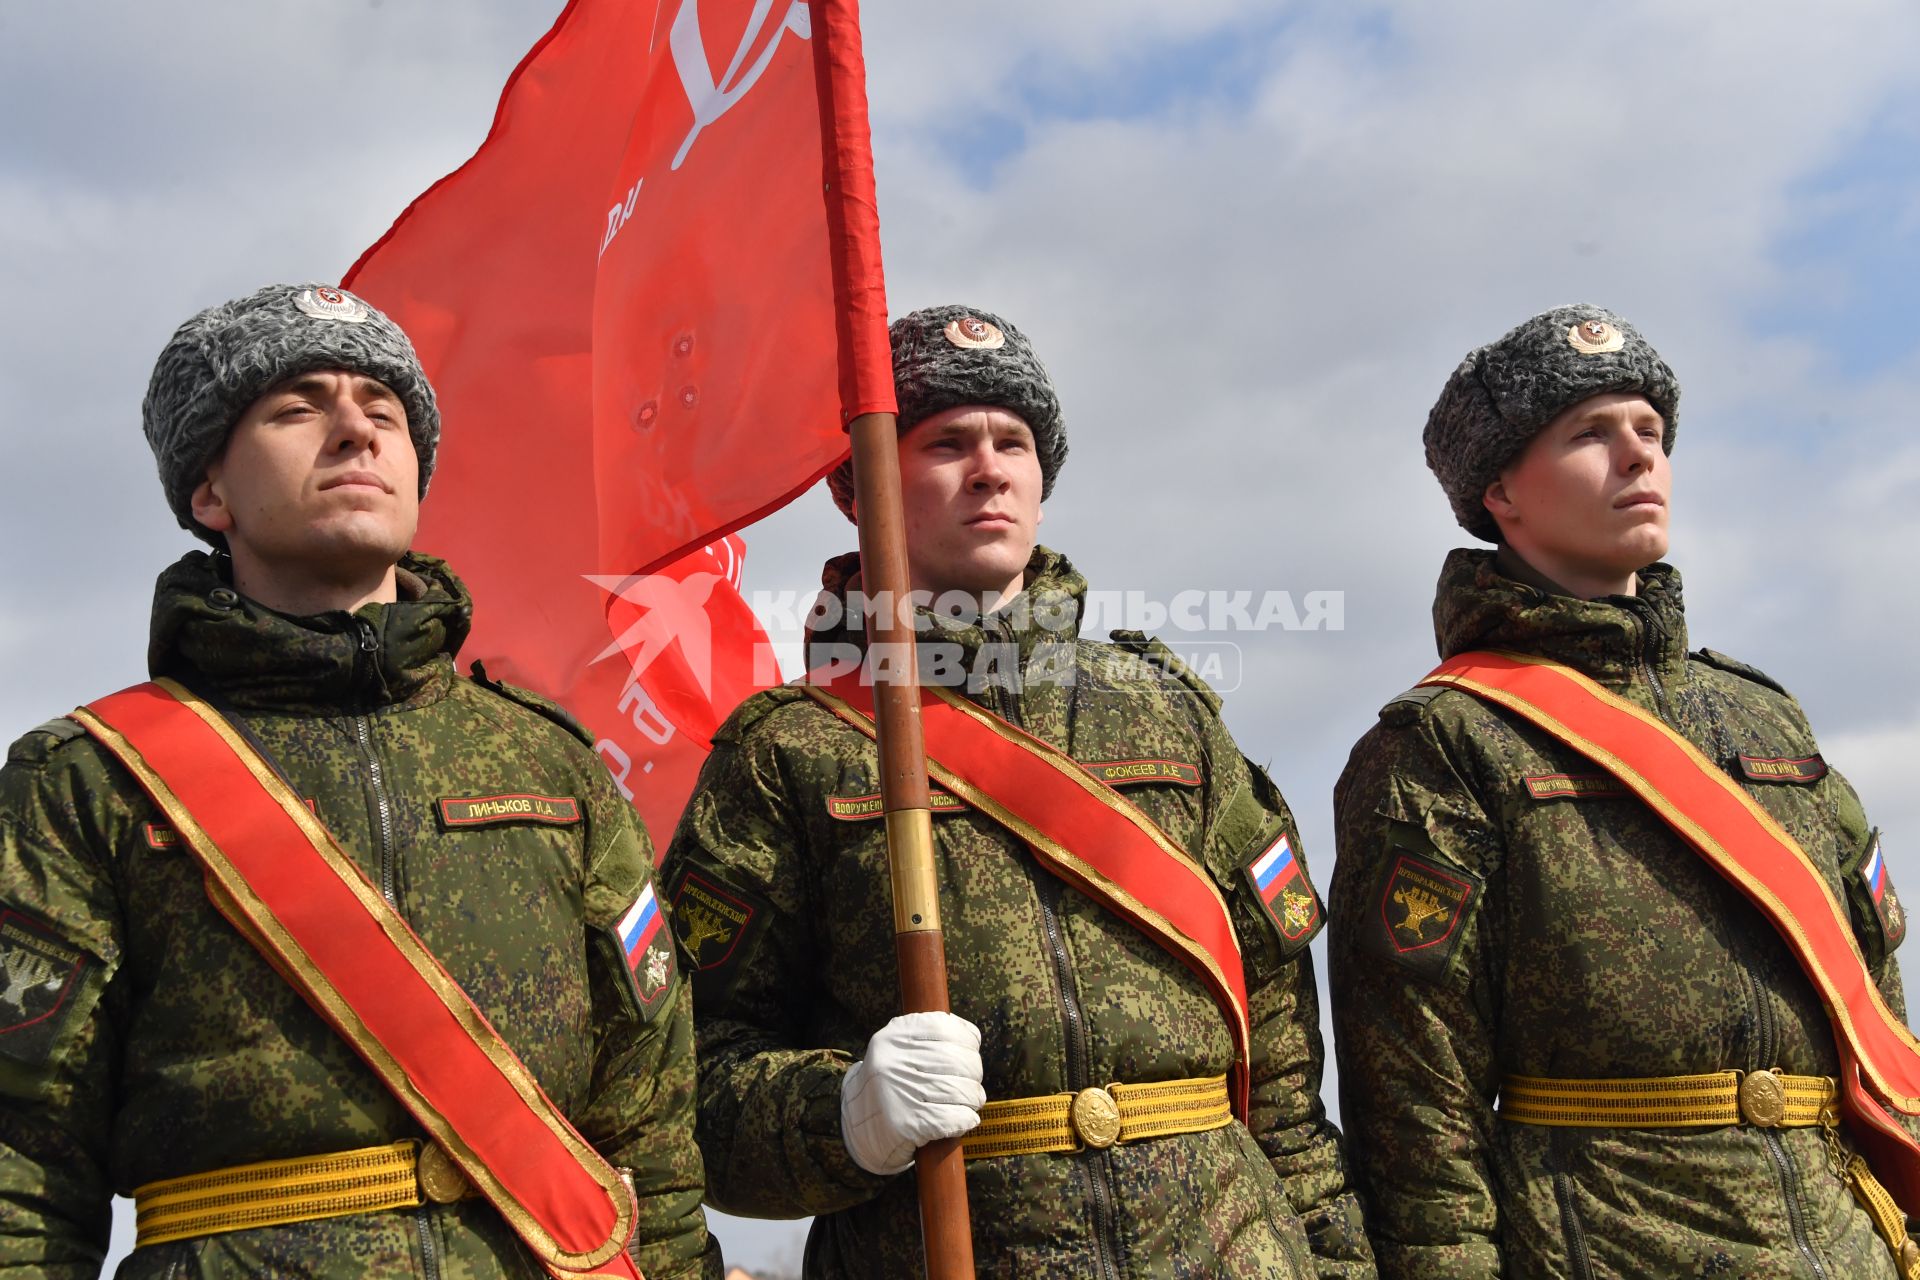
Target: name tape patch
160, 836
1115, 773
859, 808
1118, 773
480, 811
1574, 786
1783, 768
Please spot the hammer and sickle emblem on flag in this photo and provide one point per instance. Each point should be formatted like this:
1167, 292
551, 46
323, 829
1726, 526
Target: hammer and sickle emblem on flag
711, 99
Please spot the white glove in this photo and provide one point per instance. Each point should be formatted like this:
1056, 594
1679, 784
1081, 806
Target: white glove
919, 1082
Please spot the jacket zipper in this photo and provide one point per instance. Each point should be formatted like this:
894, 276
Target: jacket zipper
1789, 1175
429, 1252
376, 780
1785, 1170
1764, 1031
1649, 636
1079, 1042
1079, 1054
1078, 1049
383, 839
1570, 1223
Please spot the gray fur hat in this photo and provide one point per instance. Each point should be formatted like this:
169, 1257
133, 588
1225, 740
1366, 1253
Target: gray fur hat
228, 356
954, 355
1504, 392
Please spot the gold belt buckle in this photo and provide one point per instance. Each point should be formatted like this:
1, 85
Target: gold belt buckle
1763, 1099
440, 1178
1096, 1117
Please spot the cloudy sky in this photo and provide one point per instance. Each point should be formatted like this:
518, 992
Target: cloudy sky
1250, 237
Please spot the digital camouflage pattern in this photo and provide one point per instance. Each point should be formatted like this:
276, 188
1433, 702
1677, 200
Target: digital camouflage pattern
778, 877
1500, 908
170, 1046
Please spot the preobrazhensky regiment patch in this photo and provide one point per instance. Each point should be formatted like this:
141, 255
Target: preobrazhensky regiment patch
39, 975
709, 921
1422, 912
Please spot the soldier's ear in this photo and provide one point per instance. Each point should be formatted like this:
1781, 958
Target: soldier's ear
1496, 501
208, 503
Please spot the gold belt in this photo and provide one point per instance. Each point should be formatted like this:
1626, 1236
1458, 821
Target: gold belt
1099, 1117
1764, 1099
1769, 1099
272, 1192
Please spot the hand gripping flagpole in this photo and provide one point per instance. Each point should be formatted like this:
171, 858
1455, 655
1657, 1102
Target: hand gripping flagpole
919, 943
867, 395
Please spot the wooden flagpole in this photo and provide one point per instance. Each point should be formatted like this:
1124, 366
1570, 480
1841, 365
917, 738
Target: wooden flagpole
945, 1227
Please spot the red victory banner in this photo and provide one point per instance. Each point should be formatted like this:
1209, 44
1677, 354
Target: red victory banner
649, 304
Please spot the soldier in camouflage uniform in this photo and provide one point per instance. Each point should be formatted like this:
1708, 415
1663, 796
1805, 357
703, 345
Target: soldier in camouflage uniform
778, 875
141, 1037
1502, 907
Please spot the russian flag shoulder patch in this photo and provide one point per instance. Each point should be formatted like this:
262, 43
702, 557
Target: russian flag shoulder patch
646, 951
1280, 885
1872, 870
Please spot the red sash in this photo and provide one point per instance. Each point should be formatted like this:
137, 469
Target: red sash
1083, 831
274, 871
1743, 842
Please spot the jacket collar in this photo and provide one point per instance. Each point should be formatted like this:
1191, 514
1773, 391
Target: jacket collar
1048, 609
1613, 639
226, 646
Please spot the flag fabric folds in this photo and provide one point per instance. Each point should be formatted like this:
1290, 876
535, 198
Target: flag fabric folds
649, 304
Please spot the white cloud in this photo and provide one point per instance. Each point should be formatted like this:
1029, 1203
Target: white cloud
1877, 762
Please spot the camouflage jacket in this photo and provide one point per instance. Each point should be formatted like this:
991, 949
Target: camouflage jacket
142, 1038
1500, 907
779, 874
